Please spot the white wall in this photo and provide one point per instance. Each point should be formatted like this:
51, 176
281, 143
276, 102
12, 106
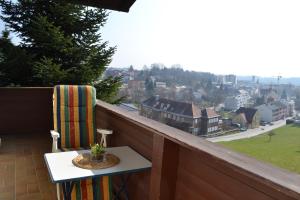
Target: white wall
265, 113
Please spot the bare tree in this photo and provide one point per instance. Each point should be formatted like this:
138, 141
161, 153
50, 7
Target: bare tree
271, 134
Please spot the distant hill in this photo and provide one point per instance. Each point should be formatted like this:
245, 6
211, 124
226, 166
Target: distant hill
268, 80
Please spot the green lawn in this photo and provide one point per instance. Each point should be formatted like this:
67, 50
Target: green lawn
283, 150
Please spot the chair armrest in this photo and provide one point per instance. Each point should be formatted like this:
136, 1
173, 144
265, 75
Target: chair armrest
103, 133
55, 136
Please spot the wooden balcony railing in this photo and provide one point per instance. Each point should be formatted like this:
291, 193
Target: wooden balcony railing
188, 167
184, 166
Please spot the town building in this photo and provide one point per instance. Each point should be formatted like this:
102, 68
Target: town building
229, 79
131, 73
160, 84
271, 112
181, 115
136, 90
268, 94
235, 102
290, 107
247, 117
209, 121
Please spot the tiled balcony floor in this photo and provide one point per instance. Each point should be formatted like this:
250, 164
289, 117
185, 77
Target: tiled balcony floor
23, 173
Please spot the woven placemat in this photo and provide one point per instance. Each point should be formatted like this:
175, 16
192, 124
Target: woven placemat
85, 161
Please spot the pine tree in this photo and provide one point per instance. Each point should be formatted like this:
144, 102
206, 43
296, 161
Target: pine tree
149, 86
60, 44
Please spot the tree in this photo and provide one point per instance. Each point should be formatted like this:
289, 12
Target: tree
149, 86
260, 100
271, 134
60, 44
12, 68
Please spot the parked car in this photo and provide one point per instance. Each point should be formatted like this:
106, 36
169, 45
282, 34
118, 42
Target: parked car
289, 121
237, 125
262, 123
297, 121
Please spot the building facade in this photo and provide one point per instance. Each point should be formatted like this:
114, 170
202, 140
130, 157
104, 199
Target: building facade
181, 115
272, 111
235, 102
247, 117
209, 121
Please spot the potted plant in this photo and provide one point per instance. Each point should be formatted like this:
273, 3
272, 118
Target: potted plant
97, 152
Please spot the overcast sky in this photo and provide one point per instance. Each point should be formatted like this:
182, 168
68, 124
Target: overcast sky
260, 37
257, 37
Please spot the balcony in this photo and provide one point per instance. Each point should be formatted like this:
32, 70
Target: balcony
184, 166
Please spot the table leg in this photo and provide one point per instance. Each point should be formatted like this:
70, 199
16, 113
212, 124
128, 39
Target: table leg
123, 187
67, 189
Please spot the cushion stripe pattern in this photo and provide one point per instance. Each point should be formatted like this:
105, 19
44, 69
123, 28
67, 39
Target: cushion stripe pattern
74, 118
74, 115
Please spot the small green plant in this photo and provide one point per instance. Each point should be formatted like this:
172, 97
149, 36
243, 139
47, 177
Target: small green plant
97, 150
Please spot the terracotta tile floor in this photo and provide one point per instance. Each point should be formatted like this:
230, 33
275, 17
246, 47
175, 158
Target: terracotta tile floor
23, 173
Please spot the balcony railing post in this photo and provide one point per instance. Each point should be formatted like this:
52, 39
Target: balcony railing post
164, 168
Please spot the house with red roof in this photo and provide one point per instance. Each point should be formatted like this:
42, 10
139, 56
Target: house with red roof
182, 115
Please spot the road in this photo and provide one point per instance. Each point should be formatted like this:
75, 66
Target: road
249, 133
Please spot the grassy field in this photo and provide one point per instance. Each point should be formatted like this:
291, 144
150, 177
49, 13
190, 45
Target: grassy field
283, 150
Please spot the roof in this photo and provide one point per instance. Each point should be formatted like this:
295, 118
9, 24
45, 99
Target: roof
168, 105
248, 112
209, 113
278, 104
274, 105
118, 5
129, 107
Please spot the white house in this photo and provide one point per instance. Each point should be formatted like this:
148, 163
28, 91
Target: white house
161, 84
272, 112
235, 102
232, 103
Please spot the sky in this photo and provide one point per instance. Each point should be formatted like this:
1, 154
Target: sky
258, 37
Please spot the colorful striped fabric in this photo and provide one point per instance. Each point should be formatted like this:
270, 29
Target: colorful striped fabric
74, 118
74, 115
96, 189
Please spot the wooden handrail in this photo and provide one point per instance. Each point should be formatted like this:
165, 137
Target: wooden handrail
275, 182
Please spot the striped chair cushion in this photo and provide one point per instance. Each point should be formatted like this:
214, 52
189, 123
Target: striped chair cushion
74, 115
74, 119
95, 189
